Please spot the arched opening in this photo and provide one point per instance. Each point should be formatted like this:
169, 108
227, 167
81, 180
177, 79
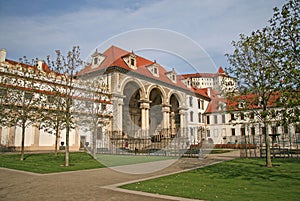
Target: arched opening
156, 116
131, 109
174, 116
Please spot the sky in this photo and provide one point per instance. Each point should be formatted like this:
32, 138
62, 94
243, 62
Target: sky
187, 35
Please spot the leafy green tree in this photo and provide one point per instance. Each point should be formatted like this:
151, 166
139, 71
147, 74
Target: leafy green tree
285, 25
266, 64
253, 66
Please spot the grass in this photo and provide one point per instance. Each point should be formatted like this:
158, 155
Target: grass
240, 179
117, 160
48, 163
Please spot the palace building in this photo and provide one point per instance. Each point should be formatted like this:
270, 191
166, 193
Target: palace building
151, 109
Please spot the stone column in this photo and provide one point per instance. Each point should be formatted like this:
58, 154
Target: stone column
145, 118
117, 100
183, 125
166, 120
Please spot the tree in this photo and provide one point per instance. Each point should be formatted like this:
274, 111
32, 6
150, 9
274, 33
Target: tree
52, 119
267, 63
285, 25
66, 67
20, 97
252, 64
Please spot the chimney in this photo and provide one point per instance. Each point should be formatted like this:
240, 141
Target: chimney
2, 55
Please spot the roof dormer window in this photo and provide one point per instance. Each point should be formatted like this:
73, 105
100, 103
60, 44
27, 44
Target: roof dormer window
97, 59
130, 60
172, 75
154, 69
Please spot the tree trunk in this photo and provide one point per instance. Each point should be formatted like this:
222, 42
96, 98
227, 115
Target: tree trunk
23, 140
67, 145
56, 136
94, 148
268, 151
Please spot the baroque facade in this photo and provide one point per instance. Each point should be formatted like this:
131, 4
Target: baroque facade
153, 109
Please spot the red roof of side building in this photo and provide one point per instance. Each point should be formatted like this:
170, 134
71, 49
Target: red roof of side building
114, 57
251, 101
221, 71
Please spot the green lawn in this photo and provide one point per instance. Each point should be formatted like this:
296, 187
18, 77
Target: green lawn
116, 160
240, 179
48, 163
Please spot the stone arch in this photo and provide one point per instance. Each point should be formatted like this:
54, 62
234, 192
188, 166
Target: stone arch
178, 96
175, 123
156, 115
131, 111
130, 79
161, 89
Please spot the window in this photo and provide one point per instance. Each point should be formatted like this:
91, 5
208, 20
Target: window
200, 117
99, 134
233, 131
252, 115
50, 99
88, 104
95, 61
274, 129
263, 130
173, 77
192, 131
242, 116
223, 118
155, 71
202, 105
28, 95
232, 117
243, 131
132, 62
208, 133
191, 116
103, 106
199, 103
3, 92
207, 120
286, 129
191, 101
216, 119
252, 130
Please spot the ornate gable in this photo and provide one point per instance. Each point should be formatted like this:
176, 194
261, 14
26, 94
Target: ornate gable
172, 75
154, 69
130, 60
97, 59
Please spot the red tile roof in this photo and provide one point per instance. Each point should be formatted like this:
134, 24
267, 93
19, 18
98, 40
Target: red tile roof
114, 57
221, 71
202, 92
251, 101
